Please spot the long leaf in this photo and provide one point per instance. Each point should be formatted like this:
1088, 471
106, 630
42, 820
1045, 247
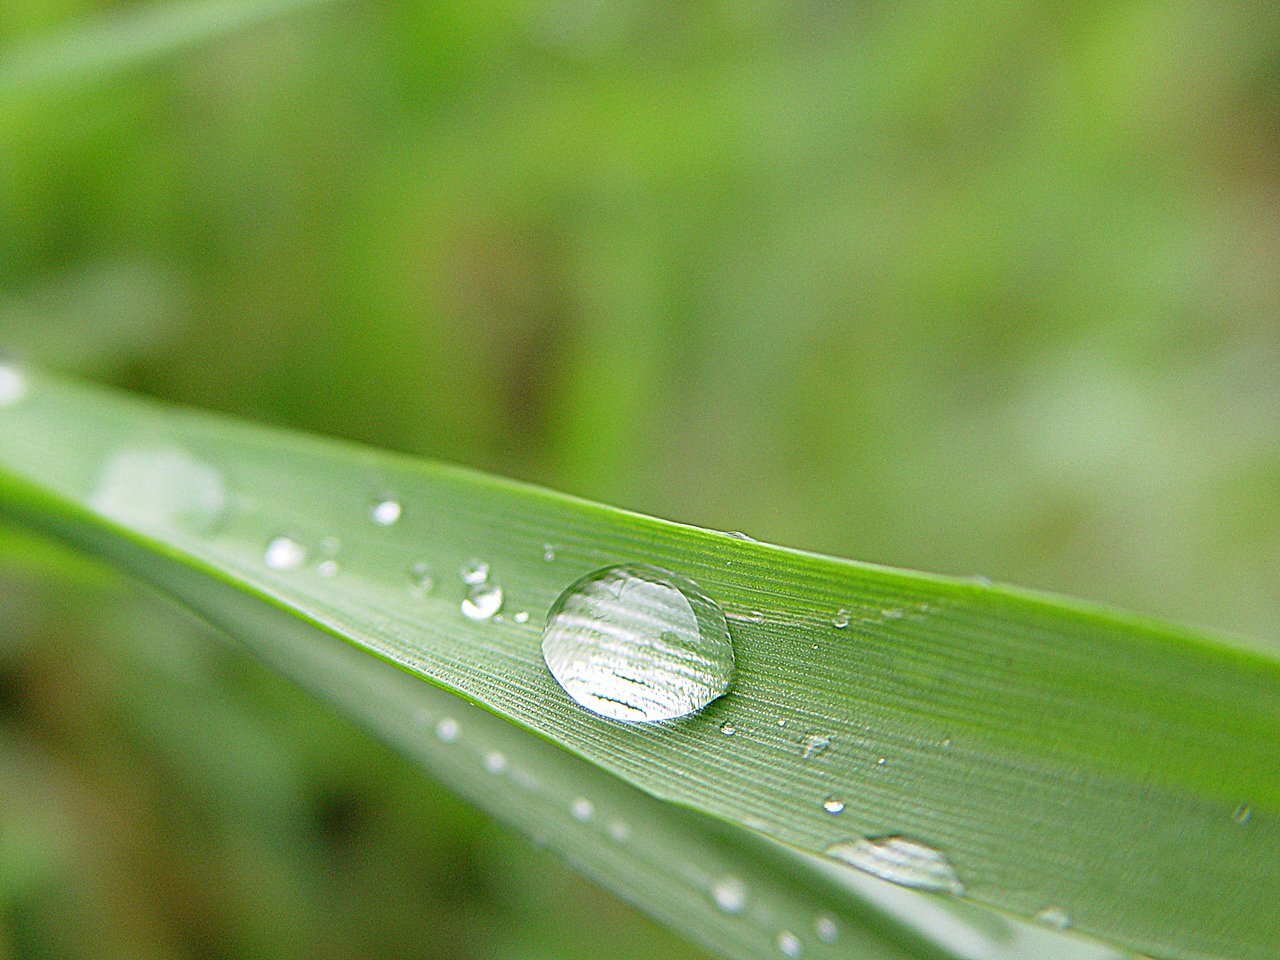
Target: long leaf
1123, 773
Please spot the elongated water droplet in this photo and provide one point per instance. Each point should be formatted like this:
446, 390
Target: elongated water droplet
826, 927
841, 619
582, 809
385, 512
447, 730
284, 553
420, 579
637, 643
1054, 917
729, 894
13, 385
474, 571
789, 944
160, 488
814, 745
482, 601
901, 860
833, 805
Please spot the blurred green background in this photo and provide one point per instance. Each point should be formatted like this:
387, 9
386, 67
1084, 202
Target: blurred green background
986, 288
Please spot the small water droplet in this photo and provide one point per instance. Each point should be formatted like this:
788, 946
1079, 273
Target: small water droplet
841, 619
826, 927
814, 745
582, 809
900, 860
548, 552
482, 601
284, 553
13, 385
447, 730
495, 762
474, 571
1242, 813
789, 944
637, 643
1054, 917
782, 723
385, 512
946, 742
728, 729
729, 894
327, 568
882, 761
833, 805
619, 832
420, 579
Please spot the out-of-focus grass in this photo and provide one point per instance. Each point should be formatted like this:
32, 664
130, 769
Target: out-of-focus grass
980, 289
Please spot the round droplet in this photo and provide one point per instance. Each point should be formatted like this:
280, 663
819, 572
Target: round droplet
482, 601
841, 619
728, 729
1054, 917
13, 385
638, 643
474, 571
582, 809
900, 860
729, 894
284, 553
833, 805
1242, 813
814, 745
548, 552
826, 927
447, 730
327, 568
385, 512
789, 944
495, 762
420, 579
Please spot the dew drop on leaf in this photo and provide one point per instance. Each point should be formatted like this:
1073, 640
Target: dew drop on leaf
833, 805
789, 944
385, 512
637, 643
447, 730
582, 809
1054, 917
814, 745
13, 385
825, 926
482, 601
284, 553
474, 571
900, 860
729, 894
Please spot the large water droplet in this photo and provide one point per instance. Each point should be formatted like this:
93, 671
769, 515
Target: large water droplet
284, 553
729, 894
482, 601
160, 488
637, 643
13, 385
385, 512
901, 860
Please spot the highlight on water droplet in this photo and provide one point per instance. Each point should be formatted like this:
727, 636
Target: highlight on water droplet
474, 571
826, 928
1054, 917
814, 745
447, 730
729, 894
728, 729
284, 553
482, 601
13, 384
841, 619
638, 643
385, 512
833, 805
789, 944
582, 809
901, 860
421, 579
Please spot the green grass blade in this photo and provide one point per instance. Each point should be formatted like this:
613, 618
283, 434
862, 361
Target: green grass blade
109, 43
1119, 770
